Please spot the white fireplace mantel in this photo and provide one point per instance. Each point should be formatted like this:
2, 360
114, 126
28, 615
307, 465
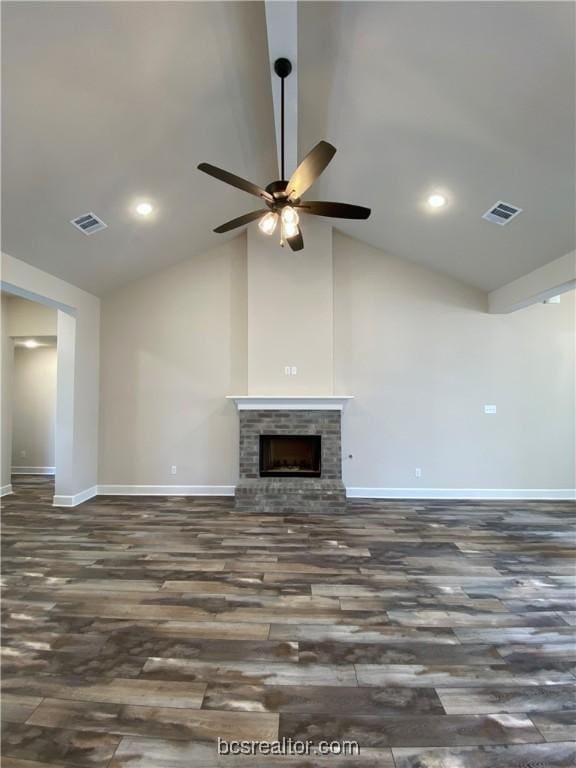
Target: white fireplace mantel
290, 402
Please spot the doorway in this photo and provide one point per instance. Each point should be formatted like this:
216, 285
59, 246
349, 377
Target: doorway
30, 359
34, 405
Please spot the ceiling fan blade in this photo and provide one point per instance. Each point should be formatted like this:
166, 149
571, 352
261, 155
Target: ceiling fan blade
240, 221
235, 181
296, 242
310, 168
336, 210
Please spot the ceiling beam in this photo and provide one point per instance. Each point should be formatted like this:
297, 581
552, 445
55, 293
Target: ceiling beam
282, 28
550, 280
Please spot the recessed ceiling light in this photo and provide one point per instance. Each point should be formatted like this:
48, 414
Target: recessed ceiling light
31, 344
144, 209
437, 201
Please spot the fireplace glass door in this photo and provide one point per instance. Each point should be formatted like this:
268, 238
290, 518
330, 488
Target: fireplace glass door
290, 455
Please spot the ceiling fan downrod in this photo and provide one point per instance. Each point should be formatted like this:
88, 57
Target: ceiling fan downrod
282, 67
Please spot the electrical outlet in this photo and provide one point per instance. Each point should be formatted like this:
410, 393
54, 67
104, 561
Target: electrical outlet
489, 409
294, 370
287, 370
418, 472
173, 469
22, 454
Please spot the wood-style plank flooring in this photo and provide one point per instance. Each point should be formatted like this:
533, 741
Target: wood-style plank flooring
136, 631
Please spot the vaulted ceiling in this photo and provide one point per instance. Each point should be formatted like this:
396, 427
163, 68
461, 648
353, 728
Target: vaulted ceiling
108, 103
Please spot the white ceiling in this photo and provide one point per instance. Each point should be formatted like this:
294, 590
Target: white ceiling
108, 102
105, 103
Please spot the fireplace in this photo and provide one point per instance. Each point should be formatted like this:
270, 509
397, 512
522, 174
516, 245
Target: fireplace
290, 455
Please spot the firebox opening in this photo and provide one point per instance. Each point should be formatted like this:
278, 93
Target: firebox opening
290, 455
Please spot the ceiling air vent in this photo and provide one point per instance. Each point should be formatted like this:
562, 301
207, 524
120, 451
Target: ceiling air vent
88, 223
502, 213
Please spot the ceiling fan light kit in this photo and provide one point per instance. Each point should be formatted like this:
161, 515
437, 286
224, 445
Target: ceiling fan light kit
268, 222
284, 198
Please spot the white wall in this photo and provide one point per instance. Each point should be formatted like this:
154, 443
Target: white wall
422, 357
173, 346
7, 353
290, 319
418, 350
78, 326
29, 318
34, 408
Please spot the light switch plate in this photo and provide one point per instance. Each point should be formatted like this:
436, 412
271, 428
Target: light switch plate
489, 409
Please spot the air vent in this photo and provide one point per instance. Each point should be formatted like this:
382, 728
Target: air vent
88, 223
502, 213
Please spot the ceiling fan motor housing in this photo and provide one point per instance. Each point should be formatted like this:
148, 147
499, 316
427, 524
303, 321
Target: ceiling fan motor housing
277, 188
278, 191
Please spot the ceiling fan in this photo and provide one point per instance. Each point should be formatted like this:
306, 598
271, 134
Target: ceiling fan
284, 198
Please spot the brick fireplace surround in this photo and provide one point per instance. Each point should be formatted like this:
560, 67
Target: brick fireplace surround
288, 495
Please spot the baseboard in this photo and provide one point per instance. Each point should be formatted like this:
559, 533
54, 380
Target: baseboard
6, 490
78, 498
166, 490
535, 494
33, 470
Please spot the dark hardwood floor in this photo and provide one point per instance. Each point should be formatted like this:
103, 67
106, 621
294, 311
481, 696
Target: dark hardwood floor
136, 631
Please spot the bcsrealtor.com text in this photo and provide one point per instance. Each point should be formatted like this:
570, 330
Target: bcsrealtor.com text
288, 747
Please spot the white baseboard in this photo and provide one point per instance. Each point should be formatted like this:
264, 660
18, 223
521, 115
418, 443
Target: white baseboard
535, 494
527, 494
78, 498
166, 490
33, 470
6, 490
